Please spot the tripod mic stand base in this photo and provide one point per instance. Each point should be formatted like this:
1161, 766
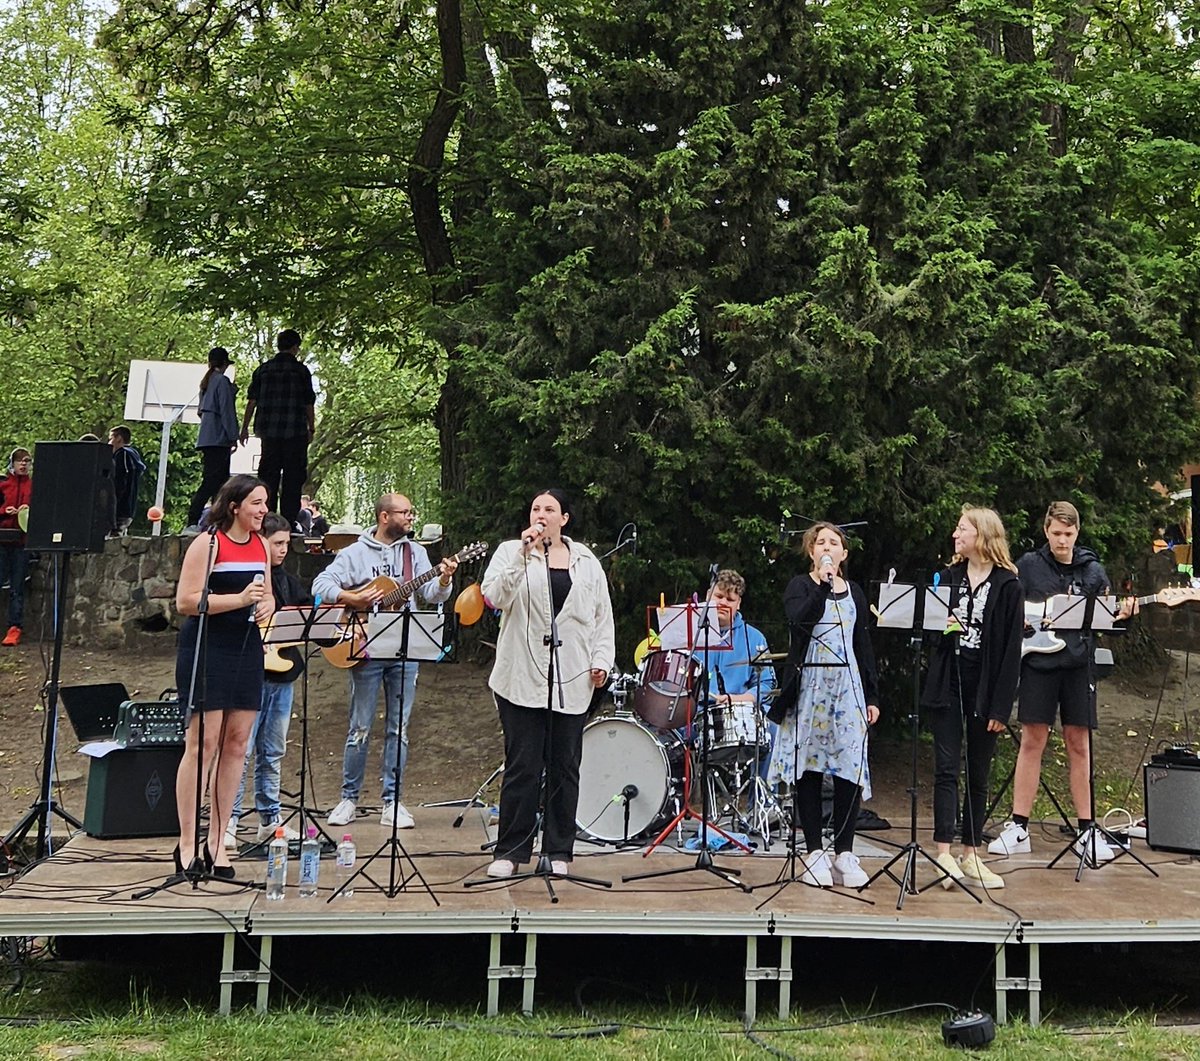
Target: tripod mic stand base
907, 880
544, 870
704, 862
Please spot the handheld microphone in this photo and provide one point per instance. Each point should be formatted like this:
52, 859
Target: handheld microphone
259, 579
826, 566
540, 529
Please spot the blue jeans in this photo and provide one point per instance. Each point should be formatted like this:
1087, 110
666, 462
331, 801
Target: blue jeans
14, 564
365, 680
268, 742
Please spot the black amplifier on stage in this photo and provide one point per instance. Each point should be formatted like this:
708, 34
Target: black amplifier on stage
131, 793
1172, 786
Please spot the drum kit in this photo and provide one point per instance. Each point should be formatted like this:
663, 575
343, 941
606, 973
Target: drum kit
640, 761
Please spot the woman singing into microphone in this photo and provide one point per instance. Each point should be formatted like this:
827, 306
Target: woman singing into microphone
826, 732
525, 578
970, 685
227, 685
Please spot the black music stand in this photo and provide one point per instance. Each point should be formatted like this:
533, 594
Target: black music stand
897, 610
307, 627
1091, 613
427, 646
704, 856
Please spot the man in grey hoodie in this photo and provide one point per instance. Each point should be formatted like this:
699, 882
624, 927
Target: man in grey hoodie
384, 550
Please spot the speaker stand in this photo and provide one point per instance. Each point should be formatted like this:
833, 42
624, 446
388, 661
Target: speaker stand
45, 805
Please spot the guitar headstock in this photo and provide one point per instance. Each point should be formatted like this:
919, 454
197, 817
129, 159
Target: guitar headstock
471, 552
1173, 595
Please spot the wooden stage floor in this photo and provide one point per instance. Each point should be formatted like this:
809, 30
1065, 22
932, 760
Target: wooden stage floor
86, 889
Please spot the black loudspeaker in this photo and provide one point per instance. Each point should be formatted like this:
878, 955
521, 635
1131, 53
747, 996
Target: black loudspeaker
71, 509
131, 792
1173, 804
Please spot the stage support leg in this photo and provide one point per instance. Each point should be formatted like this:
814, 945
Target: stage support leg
260, 976
526, 973
782, 974
1031, 984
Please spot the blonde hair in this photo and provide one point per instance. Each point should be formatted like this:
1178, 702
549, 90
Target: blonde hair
810, 538
993, 540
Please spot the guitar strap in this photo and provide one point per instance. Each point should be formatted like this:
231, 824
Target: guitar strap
408, 561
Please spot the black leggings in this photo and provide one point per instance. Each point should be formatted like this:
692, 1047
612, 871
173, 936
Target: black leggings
216, 472
846, 795
947, 725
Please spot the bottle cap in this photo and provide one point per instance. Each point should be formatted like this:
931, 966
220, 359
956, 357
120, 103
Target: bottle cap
312, 832
279, 832
347, 836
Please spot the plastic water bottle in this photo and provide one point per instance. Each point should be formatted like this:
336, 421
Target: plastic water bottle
277, 859
346, 857
310, 864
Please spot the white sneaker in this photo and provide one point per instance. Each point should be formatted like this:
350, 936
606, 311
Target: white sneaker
1093, 846
847, 872
342, 814
231, 840
397, 812
559, 867
502, 867
267, 832
1013, 840
817, 870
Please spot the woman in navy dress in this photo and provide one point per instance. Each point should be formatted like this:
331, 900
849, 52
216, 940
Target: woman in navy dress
227, 686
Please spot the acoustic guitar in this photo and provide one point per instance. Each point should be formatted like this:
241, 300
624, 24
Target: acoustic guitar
349, 650
1044, 640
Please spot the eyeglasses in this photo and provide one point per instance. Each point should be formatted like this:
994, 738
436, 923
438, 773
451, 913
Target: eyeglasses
400, 511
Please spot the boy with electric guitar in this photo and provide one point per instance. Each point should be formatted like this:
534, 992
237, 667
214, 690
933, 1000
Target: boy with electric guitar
1054, 680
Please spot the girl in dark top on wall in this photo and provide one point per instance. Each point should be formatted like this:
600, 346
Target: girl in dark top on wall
970, 685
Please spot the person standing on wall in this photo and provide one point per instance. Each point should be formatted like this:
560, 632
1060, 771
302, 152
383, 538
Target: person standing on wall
282, 403
218, 431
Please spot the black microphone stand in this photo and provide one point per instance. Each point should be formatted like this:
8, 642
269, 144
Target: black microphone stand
704, 857
544, 869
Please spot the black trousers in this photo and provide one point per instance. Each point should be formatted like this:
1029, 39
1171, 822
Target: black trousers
216, 471
283, 466
524, 757
948, 725
846, 796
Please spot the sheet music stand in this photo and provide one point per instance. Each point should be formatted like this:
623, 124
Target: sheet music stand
380, 625
1092, 613
699, 634
303, 626
899, 609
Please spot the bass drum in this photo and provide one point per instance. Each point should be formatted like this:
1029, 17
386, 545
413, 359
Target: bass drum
619, 752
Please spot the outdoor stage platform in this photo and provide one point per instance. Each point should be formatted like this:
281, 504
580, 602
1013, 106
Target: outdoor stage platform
86, 889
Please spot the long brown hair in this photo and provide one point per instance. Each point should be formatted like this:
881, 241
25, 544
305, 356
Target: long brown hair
236, 489
993, 540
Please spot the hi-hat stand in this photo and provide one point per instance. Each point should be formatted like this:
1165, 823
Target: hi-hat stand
704, 856
897, 610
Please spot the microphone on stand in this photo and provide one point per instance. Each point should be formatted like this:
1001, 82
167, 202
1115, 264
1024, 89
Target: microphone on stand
540, 528
826, 566
633, 538
627, 793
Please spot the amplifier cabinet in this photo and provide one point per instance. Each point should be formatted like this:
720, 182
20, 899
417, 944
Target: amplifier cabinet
131, 793
1172, 805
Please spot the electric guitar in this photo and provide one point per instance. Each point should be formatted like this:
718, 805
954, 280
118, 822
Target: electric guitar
1044, 640
350, 649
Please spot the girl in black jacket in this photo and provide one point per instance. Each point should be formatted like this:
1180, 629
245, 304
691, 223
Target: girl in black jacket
970, 685
825, 732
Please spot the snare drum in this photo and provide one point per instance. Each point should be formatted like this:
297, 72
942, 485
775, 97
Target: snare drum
621, 753
665, 696
735, 732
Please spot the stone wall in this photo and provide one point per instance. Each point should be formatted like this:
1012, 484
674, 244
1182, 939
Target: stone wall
124, 597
